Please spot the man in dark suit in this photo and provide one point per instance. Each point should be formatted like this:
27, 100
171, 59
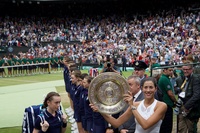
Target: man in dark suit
124, 61
190, 110
134, 84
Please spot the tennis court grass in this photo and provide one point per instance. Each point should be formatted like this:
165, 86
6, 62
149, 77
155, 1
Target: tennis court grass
8, 82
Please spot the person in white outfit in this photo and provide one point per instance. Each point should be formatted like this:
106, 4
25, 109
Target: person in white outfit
148, 113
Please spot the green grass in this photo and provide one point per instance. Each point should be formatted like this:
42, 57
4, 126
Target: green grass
31, 79
60, 89
11, 130
39, 78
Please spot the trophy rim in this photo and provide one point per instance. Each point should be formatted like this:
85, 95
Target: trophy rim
115, 80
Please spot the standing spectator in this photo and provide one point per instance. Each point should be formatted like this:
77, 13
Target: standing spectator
190, 110
80, 62
124, 61
169, 98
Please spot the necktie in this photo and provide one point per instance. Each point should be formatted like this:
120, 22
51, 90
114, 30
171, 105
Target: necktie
134, 98
183, 85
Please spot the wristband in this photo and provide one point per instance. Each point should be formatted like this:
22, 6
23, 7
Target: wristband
64, 125
133, 107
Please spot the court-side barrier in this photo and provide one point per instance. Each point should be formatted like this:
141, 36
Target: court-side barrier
176, 67
24, 65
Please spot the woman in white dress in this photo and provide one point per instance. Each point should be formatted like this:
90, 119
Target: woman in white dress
148, 113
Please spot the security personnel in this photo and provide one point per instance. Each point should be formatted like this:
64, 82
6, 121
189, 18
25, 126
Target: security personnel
169, 98
139, 69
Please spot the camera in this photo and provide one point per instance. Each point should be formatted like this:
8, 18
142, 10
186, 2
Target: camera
179, 103
108, 64
109, 67
177, 89
178, 106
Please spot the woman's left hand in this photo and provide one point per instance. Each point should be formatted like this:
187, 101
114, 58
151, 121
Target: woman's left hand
128, 98
64, 118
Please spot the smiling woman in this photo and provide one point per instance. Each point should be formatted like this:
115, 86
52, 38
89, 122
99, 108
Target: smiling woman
148, 113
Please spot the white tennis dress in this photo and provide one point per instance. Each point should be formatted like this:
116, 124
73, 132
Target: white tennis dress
146, 113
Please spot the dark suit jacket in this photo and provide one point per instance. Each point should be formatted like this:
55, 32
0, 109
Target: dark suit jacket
130, 124
192, 92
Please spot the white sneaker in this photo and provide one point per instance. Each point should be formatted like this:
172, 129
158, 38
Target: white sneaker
71, 120
68, 110
71, 117
70, 114
74, 124
76, 131
73, 129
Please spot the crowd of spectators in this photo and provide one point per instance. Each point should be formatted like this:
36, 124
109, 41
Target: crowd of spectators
169, 35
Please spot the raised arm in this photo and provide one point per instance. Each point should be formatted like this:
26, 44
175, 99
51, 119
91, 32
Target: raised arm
158, 114
113, 121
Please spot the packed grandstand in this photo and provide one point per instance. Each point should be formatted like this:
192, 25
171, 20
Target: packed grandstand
169, 32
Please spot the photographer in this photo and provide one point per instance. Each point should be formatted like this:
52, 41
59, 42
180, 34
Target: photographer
109, 66
189, 113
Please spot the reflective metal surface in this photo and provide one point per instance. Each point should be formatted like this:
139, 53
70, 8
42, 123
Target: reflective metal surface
106, 92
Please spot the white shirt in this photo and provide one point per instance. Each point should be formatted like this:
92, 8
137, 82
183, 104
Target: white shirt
142, 78
136, 95
146, 112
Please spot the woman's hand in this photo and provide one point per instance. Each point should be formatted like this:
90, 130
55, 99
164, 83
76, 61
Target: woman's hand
44, 126
64, 118
128, 98
94, 108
